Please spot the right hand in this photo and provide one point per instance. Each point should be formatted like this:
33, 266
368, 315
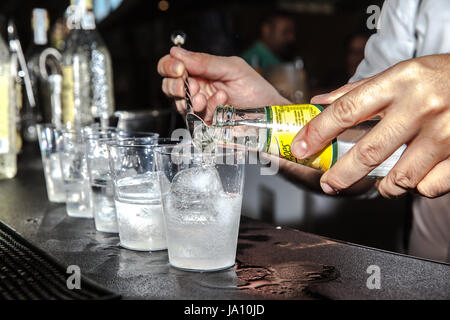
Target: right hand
214, 80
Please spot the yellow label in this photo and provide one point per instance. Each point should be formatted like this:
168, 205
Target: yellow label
286, 121
68, 97
4, 114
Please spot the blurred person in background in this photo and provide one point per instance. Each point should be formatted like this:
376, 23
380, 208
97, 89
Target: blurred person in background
275, 45
404, 78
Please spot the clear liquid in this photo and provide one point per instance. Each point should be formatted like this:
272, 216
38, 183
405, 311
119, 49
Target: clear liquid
203, 240
78, 201
141, 225
139, 213
53, 179
103, 206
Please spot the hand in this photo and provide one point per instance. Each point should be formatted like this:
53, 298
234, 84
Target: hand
413, 99
214, 80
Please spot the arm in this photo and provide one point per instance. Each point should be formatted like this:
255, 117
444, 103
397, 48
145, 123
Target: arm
218, 80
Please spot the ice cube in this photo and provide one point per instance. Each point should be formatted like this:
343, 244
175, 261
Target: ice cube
192, 194
139, 187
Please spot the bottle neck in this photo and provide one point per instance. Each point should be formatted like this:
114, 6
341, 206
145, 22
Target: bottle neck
223, 116
40, 24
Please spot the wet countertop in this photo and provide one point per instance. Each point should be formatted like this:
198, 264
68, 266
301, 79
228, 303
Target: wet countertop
272, 262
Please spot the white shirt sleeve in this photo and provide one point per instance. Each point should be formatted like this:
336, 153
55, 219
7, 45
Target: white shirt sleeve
394, 41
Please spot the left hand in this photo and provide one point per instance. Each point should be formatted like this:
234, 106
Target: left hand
413, 99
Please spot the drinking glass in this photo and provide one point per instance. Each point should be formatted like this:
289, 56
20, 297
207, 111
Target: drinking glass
48, 138
202, 205
100, 180
75, 174
137, 193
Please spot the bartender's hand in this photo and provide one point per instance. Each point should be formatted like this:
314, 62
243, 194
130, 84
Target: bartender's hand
413, 99
214, 80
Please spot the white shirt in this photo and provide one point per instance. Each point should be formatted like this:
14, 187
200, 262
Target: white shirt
408, 29
405, 27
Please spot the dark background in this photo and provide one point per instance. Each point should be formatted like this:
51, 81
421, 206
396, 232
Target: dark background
138, 34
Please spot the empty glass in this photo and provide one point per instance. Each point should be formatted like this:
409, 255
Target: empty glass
48, 138
75, 174
137, 193
202, 205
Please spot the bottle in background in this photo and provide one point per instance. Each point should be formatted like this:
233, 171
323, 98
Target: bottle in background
87, 90
33, 114
8, 157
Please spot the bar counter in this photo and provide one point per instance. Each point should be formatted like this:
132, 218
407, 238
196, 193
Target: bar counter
272, 262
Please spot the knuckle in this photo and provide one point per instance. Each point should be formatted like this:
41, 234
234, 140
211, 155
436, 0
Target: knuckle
367, 154
237, 60
403, 179
313, 133
344, 111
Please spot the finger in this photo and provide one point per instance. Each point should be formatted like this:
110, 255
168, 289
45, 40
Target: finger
355, 106
206, 65
170, 67
193, 85
330, 97
437, 182
218, 98
370, 151
181, 106
421, 155
199, 103
173, 87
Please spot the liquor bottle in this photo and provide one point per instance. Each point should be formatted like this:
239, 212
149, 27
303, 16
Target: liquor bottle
272, 129
33, 114
8, 157
86, 68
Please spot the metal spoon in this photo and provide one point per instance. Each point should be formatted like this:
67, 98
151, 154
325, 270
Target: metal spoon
178, 38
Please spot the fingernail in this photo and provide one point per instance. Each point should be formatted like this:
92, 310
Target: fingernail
328, 189
299, 149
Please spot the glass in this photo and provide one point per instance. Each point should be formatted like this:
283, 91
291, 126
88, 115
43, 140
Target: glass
100, 180
48, 138
137, 193
202, 205
75, 174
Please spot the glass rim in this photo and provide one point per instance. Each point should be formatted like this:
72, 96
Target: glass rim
152, 142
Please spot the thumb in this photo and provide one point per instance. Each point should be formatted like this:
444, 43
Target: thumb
203, 65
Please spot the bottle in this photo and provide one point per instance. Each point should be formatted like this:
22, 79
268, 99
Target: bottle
87, 90
8, 157
33, 114
272, 129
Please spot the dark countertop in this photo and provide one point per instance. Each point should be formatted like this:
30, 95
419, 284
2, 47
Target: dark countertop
272, 262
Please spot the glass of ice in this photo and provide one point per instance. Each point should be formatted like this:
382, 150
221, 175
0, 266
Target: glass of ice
100, 180
48, 138
75, 174
202, 205
137, 193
